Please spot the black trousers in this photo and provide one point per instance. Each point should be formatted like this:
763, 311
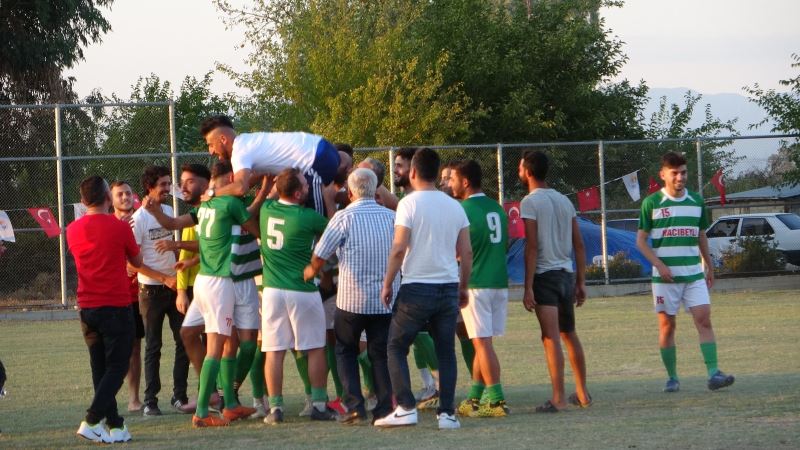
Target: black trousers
108, 332
348, 327
157, 302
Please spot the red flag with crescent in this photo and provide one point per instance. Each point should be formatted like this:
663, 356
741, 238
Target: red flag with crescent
516, 227
46, 220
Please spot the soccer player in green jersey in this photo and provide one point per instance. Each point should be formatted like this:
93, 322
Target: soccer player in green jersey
292, 315
485, 314
675, 219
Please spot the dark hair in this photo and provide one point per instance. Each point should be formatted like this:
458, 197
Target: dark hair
471, 171
287, 182
426, 163
537, 164
93, 191
407, 153
199, 170
346, 148
151, 175
212, 123
221, 168
452, 164
672, 159
118, 183
378, 168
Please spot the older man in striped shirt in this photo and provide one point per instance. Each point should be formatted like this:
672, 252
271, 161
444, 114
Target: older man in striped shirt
361, 236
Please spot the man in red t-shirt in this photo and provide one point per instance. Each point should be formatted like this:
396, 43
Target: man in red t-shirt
101, 244
122, 201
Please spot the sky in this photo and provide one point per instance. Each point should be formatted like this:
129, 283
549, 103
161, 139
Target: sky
710, 46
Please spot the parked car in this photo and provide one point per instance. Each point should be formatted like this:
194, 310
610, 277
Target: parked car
624, 224
783, 228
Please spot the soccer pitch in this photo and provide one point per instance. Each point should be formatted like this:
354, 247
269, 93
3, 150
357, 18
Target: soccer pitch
758, 334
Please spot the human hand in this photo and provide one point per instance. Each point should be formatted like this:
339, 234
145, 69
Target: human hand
664, 272
386, 295
182, 302
309, 273
164, 246
528, 301
151, 204
171, 282
463, 297
580, 294
185, 264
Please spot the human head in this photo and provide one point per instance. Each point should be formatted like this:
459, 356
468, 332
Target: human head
424, 167
674, 172
444, 177
194, 181
534, 165
156, 182
344, 148
292, 186
219, 134
222, 174
376, 166
345, 165
95, 193
121, 196
402, 166
362, 183
465, 179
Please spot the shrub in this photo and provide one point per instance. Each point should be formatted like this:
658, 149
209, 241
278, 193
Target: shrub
619, 267
754, 254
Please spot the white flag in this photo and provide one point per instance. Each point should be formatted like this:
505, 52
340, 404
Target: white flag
79, 209
176, 192
6, 230
632, 185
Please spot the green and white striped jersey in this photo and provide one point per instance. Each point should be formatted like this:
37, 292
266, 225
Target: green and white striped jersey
674, 225
246, 258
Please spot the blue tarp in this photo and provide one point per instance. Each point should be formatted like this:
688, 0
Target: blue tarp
618, 240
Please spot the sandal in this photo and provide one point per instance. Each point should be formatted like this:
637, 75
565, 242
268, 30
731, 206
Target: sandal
547, 407
574, 400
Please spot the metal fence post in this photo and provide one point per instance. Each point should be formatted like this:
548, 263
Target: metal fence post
501, 186
62, 241
603, 236
699, 147
391, 170
173, 158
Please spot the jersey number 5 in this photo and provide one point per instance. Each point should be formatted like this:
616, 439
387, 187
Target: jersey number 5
496, 235
274, 235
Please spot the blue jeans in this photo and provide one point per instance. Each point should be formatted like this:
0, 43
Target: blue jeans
418, 306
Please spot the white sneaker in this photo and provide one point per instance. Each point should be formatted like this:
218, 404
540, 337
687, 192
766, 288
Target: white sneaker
94, 433
120, 434
261, 411
306, 412
448, 422
400, 417
425, 393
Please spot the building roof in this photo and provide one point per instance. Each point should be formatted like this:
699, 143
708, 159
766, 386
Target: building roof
762, 193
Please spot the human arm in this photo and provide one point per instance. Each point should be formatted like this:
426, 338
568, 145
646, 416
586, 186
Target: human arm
251, 226
580, 263
464, 253
182, 301
266, 186
706, 255
169, 281
313, 268
238, 188
402, 236
644, 248
165, 245
531, 253
388, 199
170, 223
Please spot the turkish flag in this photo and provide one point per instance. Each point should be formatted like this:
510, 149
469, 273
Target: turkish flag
719, 183
589, 199
516, 226
653, 186
136, 201
45, 219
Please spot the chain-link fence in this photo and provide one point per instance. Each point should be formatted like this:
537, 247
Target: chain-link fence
46, 150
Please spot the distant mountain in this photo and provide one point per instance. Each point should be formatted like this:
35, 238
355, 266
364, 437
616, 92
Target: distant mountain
725, 107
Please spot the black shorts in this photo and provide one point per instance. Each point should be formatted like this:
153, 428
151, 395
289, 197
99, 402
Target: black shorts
557, 288
138, 323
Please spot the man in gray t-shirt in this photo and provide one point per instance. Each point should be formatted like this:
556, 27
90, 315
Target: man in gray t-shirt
551, 287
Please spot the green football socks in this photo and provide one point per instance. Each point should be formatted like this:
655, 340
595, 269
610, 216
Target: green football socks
670, 359
709, 350
208, 378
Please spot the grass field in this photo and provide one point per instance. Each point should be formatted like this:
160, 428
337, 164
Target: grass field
758, 335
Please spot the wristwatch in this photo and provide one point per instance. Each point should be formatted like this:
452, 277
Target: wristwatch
210, 192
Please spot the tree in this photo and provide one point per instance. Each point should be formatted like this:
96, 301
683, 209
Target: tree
783, 109
41, 38
409, 71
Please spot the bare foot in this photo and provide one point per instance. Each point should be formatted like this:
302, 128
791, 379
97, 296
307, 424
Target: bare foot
134, 406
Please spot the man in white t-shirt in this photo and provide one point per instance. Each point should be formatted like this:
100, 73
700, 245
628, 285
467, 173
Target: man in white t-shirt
431, 234
257, 154
157, 284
